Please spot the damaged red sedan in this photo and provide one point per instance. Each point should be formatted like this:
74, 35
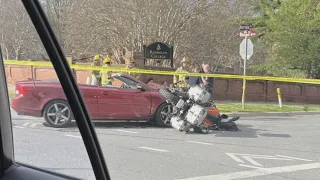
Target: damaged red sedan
128, 100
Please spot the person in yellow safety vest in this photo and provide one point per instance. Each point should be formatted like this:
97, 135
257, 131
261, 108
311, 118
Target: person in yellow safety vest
184, 68
106, 75
96, 73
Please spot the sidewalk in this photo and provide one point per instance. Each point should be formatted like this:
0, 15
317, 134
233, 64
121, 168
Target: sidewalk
254, 114
285, 112
252, 102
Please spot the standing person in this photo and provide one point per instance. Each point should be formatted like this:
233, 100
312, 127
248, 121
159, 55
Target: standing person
184, 68
106, 75
195, 80
150, 80
164, 84
208, 82
95, 74
133, 65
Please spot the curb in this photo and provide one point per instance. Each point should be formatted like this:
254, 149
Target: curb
273, 113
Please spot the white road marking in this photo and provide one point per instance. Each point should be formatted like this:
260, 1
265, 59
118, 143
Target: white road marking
248, 166
274, 158
132, 132
34, 124
249, 159
197, 142
251, 155
20, 127
26, 123
153, 149
69, 135
257, 172
235, 158
293, 158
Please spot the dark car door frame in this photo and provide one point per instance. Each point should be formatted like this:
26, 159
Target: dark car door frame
10, 169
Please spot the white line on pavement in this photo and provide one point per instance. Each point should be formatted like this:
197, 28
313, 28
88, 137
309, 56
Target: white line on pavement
293, 158
248, 166
251, 161
26, 124
274, 158
20, 127
153, 149
34, 124
235, 158
132, 132
257, 172
69, 135
251, 155
197, 142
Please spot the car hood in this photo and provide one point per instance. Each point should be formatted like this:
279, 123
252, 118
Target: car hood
156, 94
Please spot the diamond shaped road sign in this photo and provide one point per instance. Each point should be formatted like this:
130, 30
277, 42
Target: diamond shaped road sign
243, 48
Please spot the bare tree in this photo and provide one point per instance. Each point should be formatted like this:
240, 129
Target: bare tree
18, 36
200, 29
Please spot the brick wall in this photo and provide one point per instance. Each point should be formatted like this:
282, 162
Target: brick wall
225, 89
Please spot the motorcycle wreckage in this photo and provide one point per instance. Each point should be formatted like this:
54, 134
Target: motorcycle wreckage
195, 110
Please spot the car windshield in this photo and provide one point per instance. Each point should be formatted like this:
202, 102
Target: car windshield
176, 89
128, 81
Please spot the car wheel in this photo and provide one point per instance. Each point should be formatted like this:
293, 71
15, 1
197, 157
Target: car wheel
58, 114
163, 115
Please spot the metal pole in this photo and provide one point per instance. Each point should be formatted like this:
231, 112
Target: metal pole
244, 74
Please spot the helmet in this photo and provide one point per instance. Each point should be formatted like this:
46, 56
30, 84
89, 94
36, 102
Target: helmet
96, 58
107, 60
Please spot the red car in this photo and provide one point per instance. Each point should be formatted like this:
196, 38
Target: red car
131, 100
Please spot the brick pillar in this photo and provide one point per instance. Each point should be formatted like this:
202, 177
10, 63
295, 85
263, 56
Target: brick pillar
70, 62
138, 58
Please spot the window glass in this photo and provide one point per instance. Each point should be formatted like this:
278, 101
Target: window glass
148, 127
39, 109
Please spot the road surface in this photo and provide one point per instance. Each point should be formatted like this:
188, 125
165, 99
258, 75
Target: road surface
266, 148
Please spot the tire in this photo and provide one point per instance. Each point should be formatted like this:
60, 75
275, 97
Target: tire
160, 118
172, 98
56, 111
197, 129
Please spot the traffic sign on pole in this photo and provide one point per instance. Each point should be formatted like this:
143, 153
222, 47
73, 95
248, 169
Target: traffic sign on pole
245, 27
246, 49
248, 33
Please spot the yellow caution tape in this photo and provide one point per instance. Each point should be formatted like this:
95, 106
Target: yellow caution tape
28, 63
156, 72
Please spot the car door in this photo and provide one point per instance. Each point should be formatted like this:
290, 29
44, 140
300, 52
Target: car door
140, 103
139, 97
12, 170
90, 96
122, 103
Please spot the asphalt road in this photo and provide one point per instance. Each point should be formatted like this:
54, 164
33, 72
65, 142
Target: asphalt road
266, 148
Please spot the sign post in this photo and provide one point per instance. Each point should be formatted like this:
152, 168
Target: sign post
246, 51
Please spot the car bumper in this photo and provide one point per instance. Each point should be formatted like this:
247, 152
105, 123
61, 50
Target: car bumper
23, 107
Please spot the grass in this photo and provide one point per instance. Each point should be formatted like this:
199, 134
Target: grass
266, 108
